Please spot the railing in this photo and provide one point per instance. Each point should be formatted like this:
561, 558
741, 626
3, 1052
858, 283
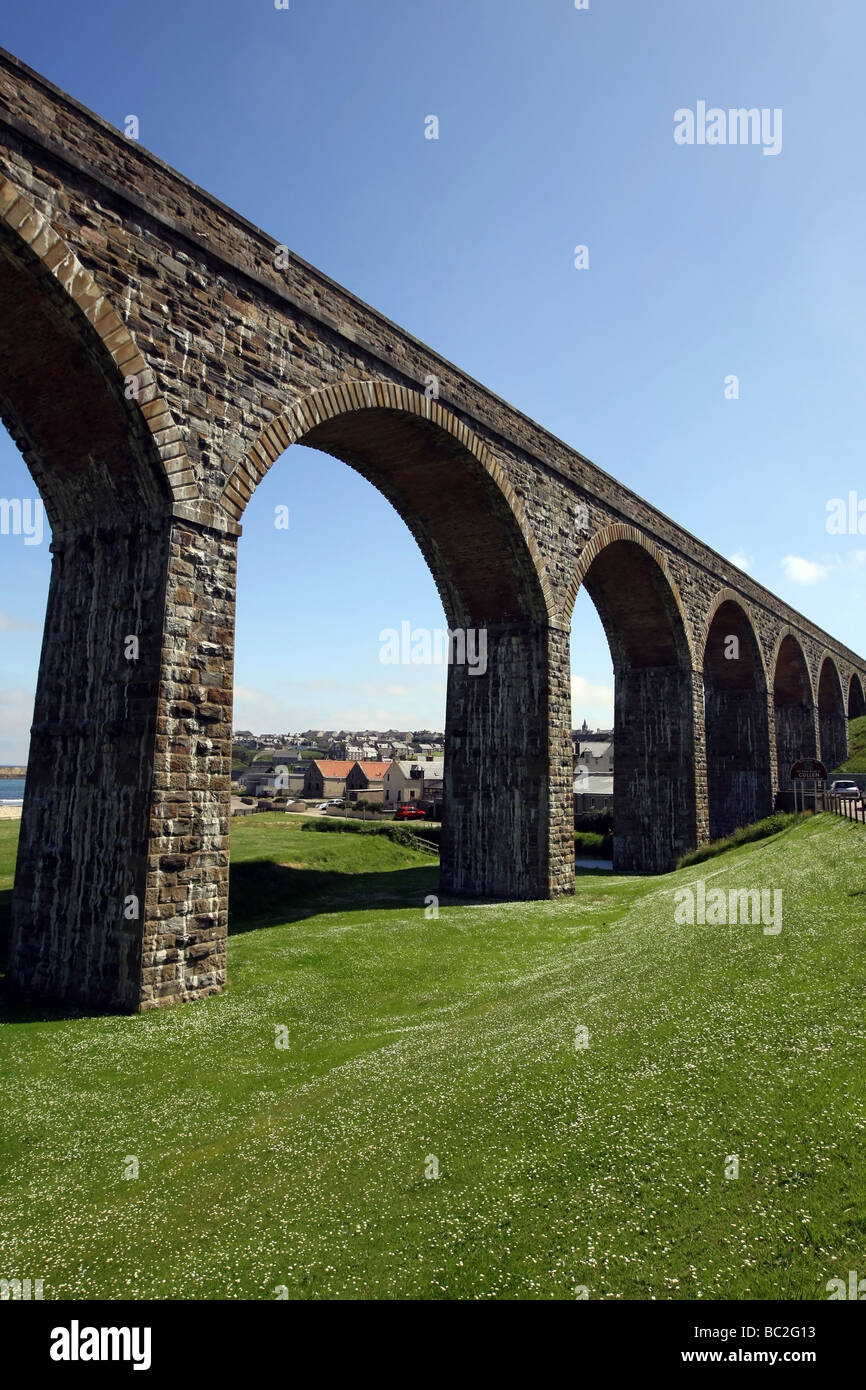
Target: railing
844, 806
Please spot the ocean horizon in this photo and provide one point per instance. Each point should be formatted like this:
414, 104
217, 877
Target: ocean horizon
11, 791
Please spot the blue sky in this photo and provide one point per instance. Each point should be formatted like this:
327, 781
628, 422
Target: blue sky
556, 129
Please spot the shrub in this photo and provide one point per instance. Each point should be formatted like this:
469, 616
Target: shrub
399, 834
743, 835
590, 842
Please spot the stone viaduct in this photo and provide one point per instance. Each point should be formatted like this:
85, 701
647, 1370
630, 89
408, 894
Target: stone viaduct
158, 354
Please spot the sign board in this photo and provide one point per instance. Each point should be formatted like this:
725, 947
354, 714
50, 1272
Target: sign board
808, 769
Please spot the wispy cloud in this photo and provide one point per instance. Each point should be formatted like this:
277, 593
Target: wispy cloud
801, 571
742, 560
16, 716
8, 624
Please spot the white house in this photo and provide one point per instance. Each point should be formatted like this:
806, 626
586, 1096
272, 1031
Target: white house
421, 780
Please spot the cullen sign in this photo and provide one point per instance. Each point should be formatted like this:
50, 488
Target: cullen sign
808, 769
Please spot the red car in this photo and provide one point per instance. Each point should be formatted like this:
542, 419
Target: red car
408, 812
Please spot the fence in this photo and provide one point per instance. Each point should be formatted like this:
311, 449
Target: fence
844, 806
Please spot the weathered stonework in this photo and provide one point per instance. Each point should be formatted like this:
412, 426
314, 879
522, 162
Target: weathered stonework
158, 354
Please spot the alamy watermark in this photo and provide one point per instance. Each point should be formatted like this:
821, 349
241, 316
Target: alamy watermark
442, 646
23, 516
847, 516
855, 1289
20, 1289
737, 126
737, 906
77, 1343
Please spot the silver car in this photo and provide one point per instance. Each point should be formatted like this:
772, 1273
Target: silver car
849, 791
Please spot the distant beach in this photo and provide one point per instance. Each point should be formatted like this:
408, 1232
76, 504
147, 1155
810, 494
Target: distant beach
11, 797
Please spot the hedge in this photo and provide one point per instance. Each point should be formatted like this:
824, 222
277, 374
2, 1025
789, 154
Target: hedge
399, 834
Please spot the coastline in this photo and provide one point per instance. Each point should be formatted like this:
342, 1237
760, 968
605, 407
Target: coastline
10, 812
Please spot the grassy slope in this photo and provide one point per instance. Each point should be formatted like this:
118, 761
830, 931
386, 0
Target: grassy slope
455, 1037
856, 760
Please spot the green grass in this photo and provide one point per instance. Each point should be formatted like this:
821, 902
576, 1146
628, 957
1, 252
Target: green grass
856, 760
412, 1036
744, 835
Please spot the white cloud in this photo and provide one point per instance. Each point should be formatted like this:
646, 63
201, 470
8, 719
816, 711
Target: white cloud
594, 703
742, 560
256, 710
332, 704
801, 571
16, 716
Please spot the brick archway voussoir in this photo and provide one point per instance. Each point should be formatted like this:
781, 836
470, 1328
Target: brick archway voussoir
727, 595
608, 535
58, 258
827, 656
347, 397
788, 631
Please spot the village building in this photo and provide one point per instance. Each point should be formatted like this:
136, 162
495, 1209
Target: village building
420, 780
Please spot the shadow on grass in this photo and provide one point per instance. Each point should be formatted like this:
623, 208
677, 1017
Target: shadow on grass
265, 894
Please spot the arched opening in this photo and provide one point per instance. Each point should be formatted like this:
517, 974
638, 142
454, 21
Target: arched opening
593, 734
739, 782
654, 778
856, 699
83, 843
832, 716
794, 709
506, 820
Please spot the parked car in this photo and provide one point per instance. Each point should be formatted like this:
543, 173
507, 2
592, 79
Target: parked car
335, 801
322, 806
407, 812
846, 789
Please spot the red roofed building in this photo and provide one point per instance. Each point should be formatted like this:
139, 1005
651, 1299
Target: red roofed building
326, 778
367, 780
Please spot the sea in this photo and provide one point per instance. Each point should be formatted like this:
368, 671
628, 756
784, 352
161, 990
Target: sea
11, 791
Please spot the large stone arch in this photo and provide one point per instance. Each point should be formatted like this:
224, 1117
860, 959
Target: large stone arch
507, 812
655, 796
856, 698
103, 404
401, 441
109, 470
622, 531
793, 705
736, 717
832, 715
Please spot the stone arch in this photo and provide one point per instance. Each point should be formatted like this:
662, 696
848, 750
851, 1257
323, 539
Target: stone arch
504, 745
726, 595
109, 470
622, 531
630, 584
410, 447
832, 715
49, 297
856, 698
736, 717
793, 705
